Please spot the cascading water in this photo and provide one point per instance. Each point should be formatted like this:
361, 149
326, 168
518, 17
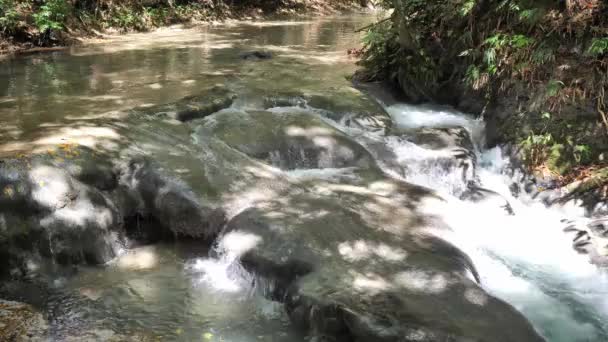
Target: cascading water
171, 292
524, 258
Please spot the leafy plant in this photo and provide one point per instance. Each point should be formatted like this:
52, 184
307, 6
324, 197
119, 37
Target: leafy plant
51, 15
553, 87
599, 46
9, 16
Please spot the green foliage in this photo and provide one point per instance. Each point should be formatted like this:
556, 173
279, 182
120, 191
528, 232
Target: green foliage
553, 87
52, 15
381, 49
550, 57
125, 18
466, 7
157, 16
9, 16
599, 47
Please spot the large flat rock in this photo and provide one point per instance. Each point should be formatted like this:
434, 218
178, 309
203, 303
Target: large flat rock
358, 262
296, 139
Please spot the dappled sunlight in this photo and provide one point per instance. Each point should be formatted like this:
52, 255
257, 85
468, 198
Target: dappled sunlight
361, 249
51, 186
327, 59
370, 284
96, 138
313, 132
476, 296
422, 281
81, 213
271, 179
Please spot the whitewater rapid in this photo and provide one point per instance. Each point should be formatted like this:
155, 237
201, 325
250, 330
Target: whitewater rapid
525, 259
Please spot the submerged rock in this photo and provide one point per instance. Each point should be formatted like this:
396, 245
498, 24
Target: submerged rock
353, 259
256, 55
20, 322
346, 105
197, 106
294, 140
355, 262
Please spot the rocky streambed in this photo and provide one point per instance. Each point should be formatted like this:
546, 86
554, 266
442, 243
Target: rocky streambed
278, 206
351, 255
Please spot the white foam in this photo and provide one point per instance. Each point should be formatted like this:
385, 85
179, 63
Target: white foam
525, 259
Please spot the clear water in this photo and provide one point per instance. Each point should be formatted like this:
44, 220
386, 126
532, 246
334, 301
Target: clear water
178, 293
165, 293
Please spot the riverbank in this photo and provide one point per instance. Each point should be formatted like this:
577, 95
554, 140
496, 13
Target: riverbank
536, 72
28, 27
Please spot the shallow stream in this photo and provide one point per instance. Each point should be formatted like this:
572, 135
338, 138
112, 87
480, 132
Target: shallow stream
176, 292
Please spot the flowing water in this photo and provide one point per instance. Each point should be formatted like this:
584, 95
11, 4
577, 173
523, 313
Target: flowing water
176, 292
524, 258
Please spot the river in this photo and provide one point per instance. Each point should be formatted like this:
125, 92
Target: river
176, 291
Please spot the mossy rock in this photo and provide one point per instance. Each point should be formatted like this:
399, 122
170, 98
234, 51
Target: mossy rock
196, 106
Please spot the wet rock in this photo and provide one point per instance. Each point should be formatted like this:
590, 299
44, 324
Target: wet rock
384, 92
591, 238
453, 150
346, 105
20, 322
355, 262
386, 157
442, 138
197, 106
294, 140
46, 212
176, 208
93, 169
486, 197
256, 55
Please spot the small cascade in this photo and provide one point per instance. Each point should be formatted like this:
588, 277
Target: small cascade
522, 255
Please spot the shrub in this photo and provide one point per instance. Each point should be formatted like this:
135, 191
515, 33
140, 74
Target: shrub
51, 15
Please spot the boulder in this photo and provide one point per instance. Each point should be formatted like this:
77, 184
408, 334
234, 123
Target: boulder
454, 138
355, 262
44, 211
486, 197
147, 192
590, 237
20, 322
294, 140
255, 55
193, 107
453, 151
